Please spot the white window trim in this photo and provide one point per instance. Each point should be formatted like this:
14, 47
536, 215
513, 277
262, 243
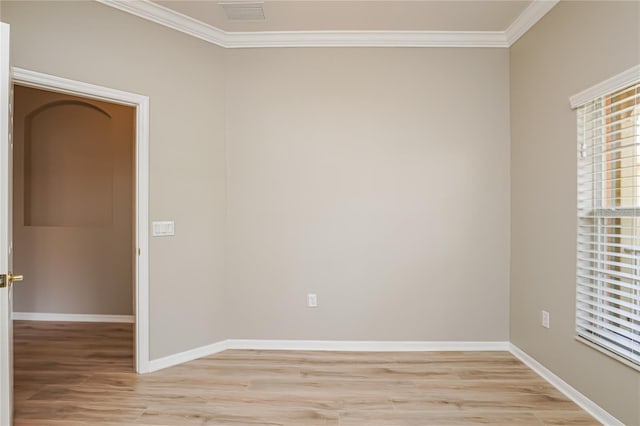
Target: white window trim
605, 88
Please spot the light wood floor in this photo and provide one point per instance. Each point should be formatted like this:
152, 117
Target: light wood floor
82, 374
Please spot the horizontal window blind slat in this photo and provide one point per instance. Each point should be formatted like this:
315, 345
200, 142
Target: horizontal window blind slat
629, 247
607, 239
612, 229
597, 291
632, 286
583, 262
586, 290
623, 178
612, 333
611, 265
619, 348
621, 226
598, 104
608, 272
605, 253
608, 235
611, 126
589, 156
614, 324
589, 305
616, 140
594, 181
594, 111
613, 212
620, 343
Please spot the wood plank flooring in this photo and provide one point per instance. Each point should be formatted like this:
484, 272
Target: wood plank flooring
76, 374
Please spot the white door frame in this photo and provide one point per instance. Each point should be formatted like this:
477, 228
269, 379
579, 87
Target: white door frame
141, 103
6, 325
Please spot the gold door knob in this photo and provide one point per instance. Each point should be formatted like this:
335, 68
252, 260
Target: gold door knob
7, 280
15, 278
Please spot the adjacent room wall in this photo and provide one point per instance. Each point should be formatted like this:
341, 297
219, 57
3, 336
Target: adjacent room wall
184, 78
577, 45
377, 179
72, 203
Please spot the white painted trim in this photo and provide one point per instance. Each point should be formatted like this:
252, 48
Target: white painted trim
40, 80
366, 39
142, 236
527, 19
323, 345
6, 338
169, 18
141, 103
366, 346
186, 356
39, 316
569, 391
625, 78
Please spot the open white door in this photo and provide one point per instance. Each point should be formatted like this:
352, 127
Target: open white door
6, 278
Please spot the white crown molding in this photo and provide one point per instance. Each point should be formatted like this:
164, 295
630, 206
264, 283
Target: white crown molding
366, 39
625, 78
528, 18
169, 18
39, 316
569, 391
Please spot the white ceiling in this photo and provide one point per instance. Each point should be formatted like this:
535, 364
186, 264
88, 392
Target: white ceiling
341, 23
361, 15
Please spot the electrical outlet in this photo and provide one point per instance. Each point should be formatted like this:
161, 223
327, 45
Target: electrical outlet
544, 319
312, 300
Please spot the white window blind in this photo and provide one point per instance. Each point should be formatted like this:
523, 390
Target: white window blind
608, 258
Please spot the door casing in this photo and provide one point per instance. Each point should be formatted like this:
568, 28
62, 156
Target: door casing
39, 80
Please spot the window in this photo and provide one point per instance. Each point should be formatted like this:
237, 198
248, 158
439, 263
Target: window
608, 246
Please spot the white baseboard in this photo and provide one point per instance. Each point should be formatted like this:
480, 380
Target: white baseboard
569, 391
38, 316
322, 345
190, 355
367, 346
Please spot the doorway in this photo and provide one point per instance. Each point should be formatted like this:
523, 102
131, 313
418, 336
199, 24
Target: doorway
73, 169
58, 211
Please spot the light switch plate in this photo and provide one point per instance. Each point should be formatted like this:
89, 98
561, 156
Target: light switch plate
164, 228
312, 300
544, 320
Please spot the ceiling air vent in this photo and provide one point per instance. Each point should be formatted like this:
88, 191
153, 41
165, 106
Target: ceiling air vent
243, 10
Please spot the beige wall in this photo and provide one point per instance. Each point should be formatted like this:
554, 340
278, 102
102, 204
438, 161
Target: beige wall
184, 79
577, 45
73, 193
376, 178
